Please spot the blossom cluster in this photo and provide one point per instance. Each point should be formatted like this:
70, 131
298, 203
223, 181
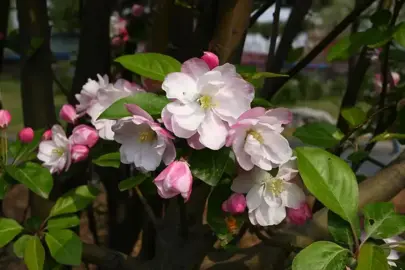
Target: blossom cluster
210, 107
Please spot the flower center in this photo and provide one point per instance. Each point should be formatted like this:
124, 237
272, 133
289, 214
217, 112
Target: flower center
275, 186
58, 151
147, 136
255, 135
206, 102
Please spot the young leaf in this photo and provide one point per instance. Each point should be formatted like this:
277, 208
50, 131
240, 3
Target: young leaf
399, 34
354, 116
388, 137
150, 65
331, 181
63, 222
261, 102
340, 230
149, 102
9, 228
34, 254
209, 165
372, 257
74, 201
342, 50
132, 181
108, 160
65, 246
35, 177
381, 221
20, 244
321, 256
319, 134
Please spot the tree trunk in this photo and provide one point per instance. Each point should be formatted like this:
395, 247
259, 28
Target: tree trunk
4, 15
36, 59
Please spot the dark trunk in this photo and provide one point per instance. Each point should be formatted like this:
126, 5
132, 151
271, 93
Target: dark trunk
4, 12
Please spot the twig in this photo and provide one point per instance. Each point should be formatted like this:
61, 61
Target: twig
259, 12
183, 218
275, 26
59, 84
148, 208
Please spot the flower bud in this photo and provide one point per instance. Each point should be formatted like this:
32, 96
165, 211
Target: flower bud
175, 179
26, 135
211, 59
300, 215
68, 113
84, 135
235, 204
5, 118
47, 135
79, 153
137, 10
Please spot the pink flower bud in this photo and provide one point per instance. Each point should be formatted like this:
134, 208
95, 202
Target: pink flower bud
137, 10
79, 153
84, 135
211, 59
300, 215
26, 135
68, 113
5, 118
235, 204
47, 135
175, 179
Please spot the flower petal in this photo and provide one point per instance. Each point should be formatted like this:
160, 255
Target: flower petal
255, 197
136, 110
190, 122
287, 171
194, 142
212, 131
283, 115
180, 86
195, 68
292, 196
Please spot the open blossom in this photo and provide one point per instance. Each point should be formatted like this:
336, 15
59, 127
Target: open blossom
96, 97
55, 153
205, 102
143, 142
235, 204
393, 255
175, 179
267, 195
378, 81
257, 141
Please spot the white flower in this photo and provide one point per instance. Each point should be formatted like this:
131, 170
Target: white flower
268, 196
144, 142
55, 153
393, 256
205, 102
96, 97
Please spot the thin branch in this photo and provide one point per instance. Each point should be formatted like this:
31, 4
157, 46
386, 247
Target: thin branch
259, 12
148, 208
275, 26
60, 85
183, 218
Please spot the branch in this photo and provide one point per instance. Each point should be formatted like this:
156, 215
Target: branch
259, 12
275, 26
321, 46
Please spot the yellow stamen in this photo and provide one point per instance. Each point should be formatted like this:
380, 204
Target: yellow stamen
58, 151
275, 186
206, 102
256, 135
147, 136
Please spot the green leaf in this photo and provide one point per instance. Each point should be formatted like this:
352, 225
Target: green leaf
74, 201
342, 50
354, 116
150, 65
388, 137
34, 223
261, 102
63, 222
358, 156
209, 165
295, 54
319, 134
132, 181
20, 244
331, 181
109, 160
372, 257
34, 254
381, 17
149, 102
259, 75
65, 246
35, 177
245, 69
4, 186
25, 151
340, 230
381, 221
9, 228
399, 34
321, 256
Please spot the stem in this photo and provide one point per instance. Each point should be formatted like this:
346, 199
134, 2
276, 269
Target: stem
274, 31
148, 209
183, 218
260, 12
356, 239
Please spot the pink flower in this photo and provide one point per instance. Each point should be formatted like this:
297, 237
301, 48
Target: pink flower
117, 41
26, 135
143, 141
205, 102
256, 138
300, 215
47, 135
79, 153
378, 81
175, 179
211, 59
235, 204
68, 113
137, 10
5, 118
84, 135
